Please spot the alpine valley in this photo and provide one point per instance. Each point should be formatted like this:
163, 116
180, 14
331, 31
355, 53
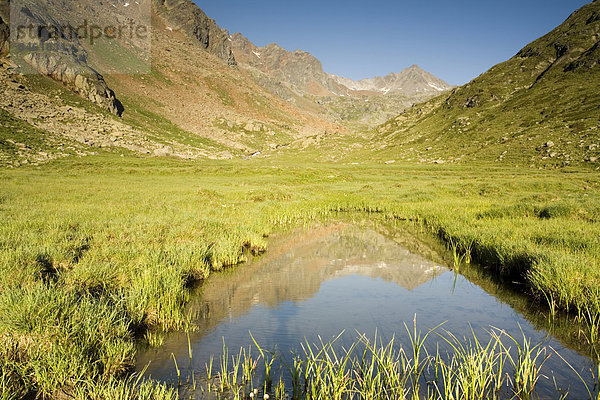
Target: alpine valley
135, 166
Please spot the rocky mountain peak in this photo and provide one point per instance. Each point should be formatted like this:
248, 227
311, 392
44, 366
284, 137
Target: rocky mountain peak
301, 70
411, 81
298, 69
186, 16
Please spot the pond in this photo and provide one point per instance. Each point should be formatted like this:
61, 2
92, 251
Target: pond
345, 278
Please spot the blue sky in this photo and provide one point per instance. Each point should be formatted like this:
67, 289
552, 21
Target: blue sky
455, 40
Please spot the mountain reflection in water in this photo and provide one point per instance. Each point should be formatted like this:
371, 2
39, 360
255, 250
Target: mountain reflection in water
341, 278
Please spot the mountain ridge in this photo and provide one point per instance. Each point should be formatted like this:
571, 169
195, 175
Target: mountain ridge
297, 68
410, 81
298, 77
189, 18
538, 108
302, 70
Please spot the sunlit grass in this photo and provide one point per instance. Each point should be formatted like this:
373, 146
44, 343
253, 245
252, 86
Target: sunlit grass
96, 251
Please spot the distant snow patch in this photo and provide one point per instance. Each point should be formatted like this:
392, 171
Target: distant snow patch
436, 87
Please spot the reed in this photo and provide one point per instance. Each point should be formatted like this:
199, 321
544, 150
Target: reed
268, 360
475, 371
224, 382
375, 370
177, 369
249, 365
526, 366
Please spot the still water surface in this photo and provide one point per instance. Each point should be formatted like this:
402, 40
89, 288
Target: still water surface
345, 278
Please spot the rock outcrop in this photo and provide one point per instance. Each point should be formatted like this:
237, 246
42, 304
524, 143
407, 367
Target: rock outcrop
77, 76
63, 129
186, 16
61, 58
4, 36
4, 28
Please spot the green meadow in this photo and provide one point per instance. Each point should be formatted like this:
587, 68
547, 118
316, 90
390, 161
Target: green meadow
99, 252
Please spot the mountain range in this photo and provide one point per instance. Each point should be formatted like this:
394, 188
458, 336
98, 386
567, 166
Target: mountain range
297, 76
305, 73
411, 81
192, 90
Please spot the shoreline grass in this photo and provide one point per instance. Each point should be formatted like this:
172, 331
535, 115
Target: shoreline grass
96, 251
504, 367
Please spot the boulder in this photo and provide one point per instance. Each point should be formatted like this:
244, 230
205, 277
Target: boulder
163, 152
473, 101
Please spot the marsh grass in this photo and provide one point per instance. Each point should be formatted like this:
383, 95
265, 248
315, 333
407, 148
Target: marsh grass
504, 367
97, 252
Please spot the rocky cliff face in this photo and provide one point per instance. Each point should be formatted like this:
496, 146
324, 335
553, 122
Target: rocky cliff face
298, 69
77, 76
4, 28
184, 15
409, 82
66, 62
4, 35
80, 64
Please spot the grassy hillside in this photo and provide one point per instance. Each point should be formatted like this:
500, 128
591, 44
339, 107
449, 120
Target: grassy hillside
540, 108
365, 112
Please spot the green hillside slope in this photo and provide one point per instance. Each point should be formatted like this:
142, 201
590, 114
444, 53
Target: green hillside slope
540, 108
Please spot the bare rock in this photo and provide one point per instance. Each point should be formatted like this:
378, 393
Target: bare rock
473, 101
189, 18
4, 36
163, 152
81, 78
62, 58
